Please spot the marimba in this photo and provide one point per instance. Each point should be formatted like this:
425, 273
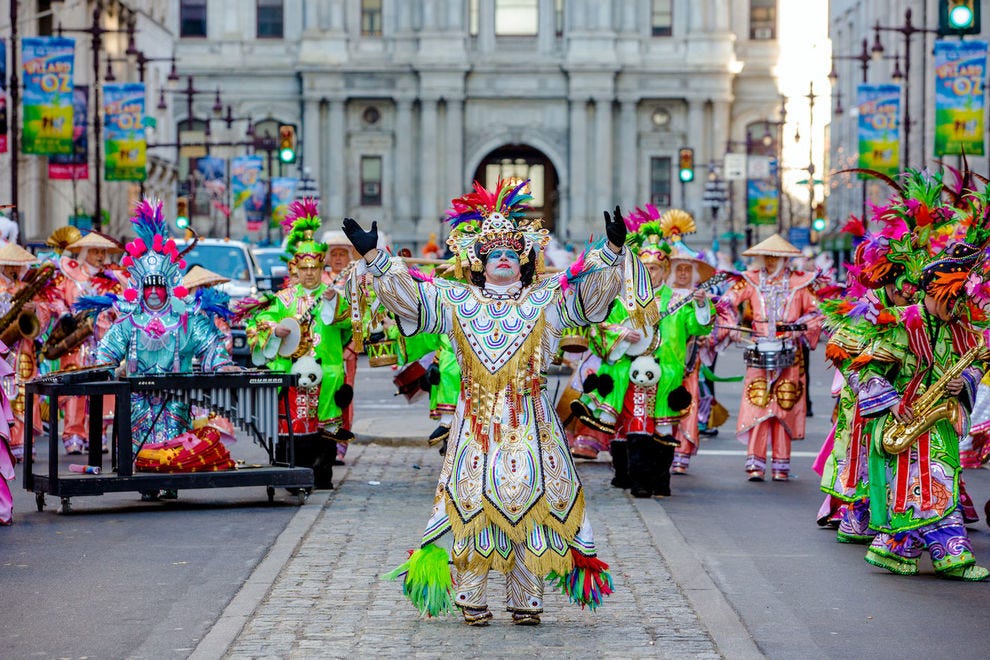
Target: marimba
248, 398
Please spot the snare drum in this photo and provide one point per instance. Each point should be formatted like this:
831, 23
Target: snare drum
770, 354
574, 340
382, 353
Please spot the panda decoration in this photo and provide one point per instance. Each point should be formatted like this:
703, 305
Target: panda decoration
644, 371
309, 371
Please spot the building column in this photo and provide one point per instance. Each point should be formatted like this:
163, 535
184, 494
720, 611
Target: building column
695, 140
486, 26
428, 165
454, 152
403, 193
604, 175
628, 154
336, 163
547, 27
577, 221
311, 140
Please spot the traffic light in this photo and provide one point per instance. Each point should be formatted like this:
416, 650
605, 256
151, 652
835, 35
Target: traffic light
958, 17
685, 164
818, 224
287, 143
182, 212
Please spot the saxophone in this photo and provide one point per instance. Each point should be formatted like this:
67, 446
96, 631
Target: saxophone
896, 437
17, 324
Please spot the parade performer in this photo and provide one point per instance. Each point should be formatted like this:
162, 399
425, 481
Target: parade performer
784, 310
304, 330
508, 490
878, 282
923, 373
75, 335
7, 460
157, 330
25, 295
200, 283
339, 262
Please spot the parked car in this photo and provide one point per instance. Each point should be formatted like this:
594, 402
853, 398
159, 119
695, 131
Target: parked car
235, 260
270, 261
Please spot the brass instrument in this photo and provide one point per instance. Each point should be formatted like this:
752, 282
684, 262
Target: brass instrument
17, 324
896, 438
69, 332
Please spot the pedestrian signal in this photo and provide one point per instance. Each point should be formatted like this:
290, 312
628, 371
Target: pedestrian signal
685, 164
958, 17
287, 143
182, 212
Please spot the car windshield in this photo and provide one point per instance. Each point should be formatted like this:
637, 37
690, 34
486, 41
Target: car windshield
269, 260
226, 260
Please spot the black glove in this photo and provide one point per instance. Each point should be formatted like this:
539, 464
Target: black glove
363, 241
615, 228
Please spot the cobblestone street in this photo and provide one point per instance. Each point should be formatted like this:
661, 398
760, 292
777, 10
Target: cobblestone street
330, 601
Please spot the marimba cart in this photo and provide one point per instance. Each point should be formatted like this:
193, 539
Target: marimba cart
248, 399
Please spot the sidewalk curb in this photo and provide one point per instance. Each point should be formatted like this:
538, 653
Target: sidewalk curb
242, 606
715, 613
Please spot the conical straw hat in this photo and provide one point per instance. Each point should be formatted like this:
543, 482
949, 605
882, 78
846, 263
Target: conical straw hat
199, 276
775, 246
13, 254
95, 240
704, 269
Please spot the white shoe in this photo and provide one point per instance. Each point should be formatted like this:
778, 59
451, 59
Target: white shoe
74, 445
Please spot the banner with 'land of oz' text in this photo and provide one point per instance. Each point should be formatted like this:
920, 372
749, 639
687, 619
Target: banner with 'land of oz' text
75, 166
879, 128
48, 63
125, 146
960, 78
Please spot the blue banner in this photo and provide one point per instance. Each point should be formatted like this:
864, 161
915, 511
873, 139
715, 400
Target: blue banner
125, 146
48, 63
960, 76
879, 128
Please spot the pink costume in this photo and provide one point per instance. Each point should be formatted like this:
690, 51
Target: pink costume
77, 279
6, 457
773, 401
21, 359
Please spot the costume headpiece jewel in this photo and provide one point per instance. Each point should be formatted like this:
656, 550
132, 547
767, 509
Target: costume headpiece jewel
484, 220
152, 256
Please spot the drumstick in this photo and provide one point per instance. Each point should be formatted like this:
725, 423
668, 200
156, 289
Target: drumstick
735, 327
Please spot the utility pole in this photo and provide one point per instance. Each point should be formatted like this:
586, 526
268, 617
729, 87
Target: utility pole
15, 103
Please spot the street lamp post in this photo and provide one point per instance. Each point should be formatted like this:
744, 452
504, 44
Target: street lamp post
811, 96
864, 58
15, 102
96, 32
908, 29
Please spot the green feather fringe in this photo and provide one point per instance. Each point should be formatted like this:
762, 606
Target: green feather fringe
428, 583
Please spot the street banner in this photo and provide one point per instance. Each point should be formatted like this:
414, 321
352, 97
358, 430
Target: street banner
213, 170
283, 192
47, 95
960, 77
75, 166
245, 171
762, 201
125, 146
879, 128
3, 96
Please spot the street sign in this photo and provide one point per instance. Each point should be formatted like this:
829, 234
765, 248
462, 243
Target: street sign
715, 194
735, 167
799, 237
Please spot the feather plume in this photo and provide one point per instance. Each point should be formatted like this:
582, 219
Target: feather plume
214, 302
149, 221
94, 304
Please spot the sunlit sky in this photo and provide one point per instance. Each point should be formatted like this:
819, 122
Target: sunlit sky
804, 58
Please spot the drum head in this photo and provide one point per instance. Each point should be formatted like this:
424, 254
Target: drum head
291, 342
643, 345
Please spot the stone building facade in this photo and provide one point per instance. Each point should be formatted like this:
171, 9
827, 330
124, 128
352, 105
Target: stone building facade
400, 105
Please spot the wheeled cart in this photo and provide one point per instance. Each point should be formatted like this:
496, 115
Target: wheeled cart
249, 399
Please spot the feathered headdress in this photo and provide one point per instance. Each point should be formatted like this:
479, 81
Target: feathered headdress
483, 220
152, 258
62, 237
302, 222
648, 240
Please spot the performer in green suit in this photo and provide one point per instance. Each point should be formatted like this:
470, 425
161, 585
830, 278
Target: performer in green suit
304, 330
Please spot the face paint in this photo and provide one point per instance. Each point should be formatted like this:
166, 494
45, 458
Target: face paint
155, 297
